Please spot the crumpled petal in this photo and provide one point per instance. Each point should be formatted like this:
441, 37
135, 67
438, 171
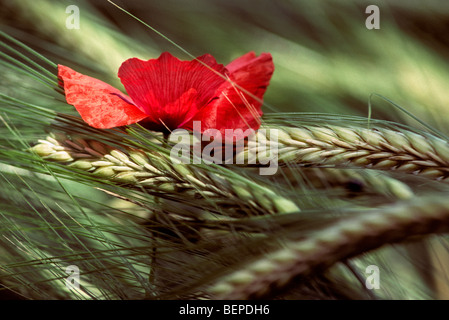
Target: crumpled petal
239, 101
169, 90
99, 104
166, 93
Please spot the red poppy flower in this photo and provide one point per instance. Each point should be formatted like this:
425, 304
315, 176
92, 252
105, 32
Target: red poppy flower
166, 93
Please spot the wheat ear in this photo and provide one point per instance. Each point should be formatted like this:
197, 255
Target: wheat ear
351, 146
156, 171
362, 181
347, 238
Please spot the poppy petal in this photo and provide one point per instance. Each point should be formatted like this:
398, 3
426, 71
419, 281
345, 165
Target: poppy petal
99, 104
157, 85
168, 118
240, 62
236, 108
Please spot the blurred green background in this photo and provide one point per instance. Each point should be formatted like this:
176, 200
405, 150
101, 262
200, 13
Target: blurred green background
326, 59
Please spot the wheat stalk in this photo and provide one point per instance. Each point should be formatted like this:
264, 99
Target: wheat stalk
377, 182
351, 146
155, 171
346, 238
359, 181
310, 145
